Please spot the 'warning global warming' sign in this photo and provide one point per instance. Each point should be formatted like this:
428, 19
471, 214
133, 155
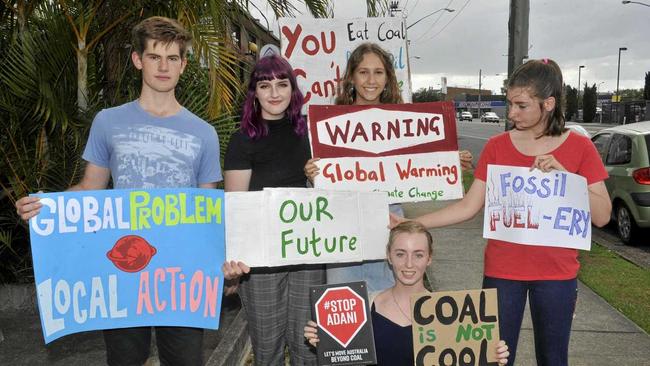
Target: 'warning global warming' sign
409, 151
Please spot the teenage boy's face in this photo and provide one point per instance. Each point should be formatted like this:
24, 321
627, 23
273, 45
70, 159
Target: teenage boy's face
161, 65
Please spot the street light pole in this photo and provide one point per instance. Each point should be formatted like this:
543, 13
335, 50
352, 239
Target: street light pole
579, 70
634, 2
430, 14
618, 76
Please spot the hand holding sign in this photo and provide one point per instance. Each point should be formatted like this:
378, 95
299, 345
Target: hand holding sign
546, 163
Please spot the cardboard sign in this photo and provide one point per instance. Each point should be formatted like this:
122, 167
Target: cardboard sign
318, 50
536, 208
455, 328
285, 226
342, 313
128, 258
409, 151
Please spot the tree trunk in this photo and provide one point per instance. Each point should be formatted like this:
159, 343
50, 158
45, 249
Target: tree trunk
82, 76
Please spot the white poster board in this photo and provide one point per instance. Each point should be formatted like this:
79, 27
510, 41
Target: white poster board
536, 208
318, 51
287, 226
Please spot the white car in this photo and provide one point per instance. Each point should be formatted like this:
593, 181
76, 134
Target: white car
466, 116
490, 117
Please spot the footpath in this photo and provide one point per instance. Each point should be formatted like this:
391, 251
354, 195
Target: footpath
600, 334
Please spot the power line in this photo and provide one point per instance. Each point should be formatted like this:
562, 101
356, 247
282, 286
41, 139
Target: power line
446, 25
435, 22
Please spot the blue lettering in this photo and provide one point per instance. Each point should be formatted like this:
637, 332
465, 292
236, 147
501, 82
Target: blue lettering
532, 188
504, 184
561, 216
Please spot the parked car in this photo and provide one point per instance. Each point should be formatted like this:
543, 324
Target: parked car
466, 116
625, 151
490, 117
579, 129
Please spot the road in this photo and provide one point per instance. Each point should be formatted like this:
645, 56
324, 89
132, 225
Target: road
473, 135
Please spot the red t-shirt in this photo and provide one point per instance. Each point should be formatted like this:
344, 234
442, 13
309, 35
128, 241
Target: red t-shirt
515, 261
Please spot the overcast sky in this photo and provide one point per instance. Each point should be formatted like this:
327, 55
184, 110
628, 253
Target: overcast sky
475, 36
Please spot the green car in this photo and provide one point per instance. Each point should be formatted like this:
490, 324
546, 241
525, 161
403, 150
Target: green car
625, 151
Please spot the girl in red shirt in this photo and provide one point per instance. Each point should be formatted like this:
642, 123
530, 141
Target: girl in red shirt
544, 275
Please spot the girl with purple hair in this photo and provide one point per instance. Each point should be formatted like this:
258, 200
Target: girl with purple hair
270, 150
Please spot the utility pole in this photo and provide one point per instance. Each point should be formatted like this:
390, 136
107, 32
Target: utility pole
517, 36
479, 92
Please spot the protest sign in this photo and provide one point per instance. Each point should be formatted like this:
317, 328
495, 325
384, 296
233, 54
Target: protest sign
128, 258
285, 226
409, 151
455, 328
536, 208
342, 313
318, 51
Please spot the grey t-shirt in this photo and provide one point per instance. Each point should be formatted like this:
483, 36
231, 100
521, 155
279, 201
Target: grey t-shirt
145, 151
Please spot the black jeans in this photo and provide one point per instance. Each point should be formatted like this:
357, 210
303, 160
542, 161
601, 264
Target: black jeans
176, 346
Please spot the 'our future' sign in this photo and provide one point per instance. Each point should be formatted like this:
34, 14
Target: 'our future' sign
127, 258
409, 151
286, 226
318, 50
536, 208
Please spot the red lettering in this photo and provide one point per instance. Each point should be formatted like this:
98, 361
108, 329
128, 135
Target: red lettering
292, 39
305, 45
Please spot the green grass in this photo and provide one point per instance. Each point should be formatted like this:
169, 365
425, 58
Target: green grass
622, 284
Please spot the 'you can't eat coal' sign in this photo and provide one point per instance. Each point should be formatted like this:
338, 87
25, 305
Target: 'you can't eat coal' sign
286, 226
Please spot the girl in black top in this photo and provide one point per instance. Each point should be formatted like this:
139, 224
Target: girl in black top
270, 150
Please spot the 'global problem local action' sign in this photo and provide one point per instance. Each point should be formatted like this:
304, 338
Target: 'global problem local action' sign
536, 208
409, 151
127, 258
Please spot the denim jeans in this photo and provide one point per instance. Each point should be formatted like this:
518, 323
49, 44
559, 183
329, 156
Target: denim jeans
176, 346
552, 304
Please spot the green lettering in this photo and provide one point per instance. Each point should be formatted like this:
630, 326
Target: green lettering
293, 215
157, 210
321, 206
464, 333
172, 216
199, 209
138, 200
213, 210
184, 218
286, 242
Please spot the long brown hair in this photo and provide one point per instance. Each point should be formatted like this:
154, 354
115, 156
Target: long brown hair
346, 92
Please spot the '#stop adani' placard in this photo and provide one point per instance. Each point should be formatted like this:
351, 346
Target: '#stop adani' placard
345, 328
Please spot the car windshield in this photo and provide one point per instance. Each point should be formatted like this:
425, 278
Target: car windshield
647, 144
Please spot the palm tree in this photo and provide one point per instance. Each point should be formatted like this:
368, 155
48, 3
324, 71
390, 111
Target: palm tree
62, 61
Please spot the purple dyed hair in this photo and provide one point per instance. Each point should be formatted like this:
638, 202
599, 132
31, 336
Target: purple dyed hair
269, 68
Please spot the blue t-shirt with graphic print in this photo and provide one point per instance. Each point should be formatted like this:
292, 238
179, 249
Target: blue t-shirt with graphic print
145, 151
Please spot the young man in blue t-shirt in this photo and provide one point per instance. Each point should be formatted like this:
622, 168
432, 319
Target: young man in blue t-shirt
151, 142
